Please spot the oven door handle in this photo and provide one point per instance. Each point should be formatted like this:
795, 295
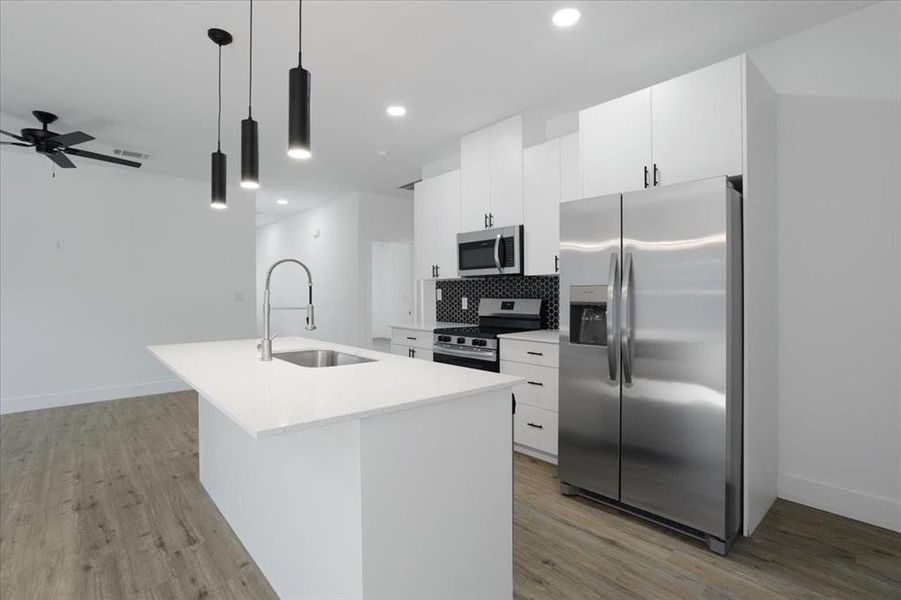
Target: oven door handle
486, 355
497, 253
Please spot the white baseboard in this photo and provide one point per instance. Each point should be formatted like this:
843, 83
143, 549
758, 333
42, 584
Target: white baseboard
23, 403
539, 454
875, 510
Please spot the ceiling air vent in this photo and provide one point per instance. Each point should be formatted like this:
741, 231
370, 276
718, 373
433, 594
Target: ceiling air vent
131, 154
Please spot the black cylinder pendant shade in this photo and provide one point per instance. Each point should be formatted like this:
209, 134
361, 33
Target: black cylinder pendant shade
299, 113
250, 155
218, 177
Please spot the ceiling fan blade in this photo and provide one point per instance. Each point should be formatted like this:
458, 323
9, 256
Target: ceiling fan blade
103, 157
60, 159
18, 137
70, 139
15, 144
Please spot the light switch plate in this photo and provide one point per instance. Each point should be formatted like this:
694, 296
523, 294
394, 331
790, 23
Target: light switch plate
464, 303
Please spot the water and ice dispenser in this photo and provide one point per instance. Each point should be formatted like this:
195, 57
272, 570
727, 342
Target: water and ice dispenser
588, 315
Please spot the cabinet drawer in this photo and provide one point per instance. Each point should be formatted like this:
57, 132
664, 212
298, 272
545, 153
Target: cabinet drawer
412, 337
541, 387
535, 427
533, 353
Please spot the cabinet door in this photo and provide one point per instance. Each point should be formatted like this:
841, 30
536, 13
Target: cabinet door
570, 168
475, 150
505, 173
446, 224
616, 144
697, 124
541, 207
401, 350
424, 243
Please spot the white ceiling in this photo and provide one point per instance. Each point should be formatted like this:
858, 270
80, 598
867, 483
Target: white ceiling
142, 75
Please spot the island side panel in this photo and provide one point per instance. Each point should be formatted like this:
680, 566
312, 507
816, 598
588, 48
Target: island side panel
438, 500
293, 500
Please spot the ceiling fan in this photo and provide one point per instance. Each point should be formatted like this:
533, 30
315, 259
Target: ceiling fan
56, 146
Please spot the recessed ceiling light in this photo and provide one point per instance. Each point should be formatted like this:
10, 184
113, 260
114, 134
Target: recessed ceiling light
396, 111
281, 201
382, 152
566, 17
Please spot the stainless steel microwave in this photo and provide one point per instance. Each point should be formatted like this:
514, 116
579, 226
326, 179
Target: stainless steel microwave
490, 252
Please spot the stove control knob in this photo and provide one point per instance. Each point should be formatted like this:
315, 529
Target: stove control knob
478, 342
461, 340
444, 338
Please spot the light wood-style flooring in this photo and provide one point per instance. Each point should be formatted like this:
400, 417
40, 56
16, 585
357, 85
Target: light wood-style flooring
103, 501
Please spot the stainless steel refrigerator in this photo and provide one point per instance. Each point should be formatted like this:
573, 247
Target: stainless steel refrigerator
651, 355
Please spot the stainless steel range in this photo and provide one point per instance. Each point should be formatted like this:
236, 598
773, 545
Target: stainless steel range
477, 346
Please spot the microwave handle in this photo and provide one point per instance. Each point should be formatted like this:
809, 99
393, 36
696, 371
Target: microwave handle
497, 253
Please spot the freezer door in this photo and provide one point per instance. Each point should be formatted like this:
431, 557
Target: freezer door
590, 267
674, 329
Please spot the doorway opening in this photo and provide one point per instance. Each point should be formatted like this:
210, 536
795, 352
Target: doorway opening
392, 289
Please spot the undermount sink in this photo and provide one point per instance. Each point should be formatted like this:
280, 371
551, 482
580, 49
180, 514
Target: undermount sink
320, 358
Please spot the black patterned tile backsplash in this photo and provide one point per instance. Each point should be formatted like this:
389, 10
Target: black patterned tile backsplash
449, 308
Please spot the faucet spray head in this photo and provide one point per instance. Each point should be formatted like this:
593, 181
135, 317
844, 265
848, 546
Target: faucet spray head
311, 319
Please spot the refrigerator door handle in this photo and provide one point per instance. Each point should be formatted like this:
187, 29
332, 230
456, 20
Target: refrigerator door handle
627, 325
613, 291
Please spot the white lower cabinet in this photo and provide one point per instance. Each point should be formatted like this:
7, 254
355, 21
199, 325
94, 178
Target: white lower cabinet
535, 421
411, 352
535, 428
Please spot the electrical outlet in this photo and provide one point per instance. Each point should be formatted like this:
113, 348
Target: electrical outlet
464, 303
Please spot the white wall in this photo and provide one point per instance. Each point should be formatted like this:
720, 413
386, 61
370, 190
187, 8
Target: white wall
340, 261
332, 257
839, 272
101, 261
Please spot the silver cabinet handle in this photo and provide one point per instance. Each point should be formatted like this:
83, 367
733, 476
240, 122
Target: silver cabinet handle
535, 425
535, 353
410, 338
613, 283
497, 253
534, 383
628, 318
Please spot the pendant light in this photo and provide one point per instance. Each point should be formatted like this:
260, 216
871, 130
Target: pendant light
221, 38
250, 148
299, 102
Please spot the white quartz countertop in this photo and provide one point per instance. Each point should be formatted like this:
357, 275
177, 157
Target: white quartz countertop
545, 336
427, 325
275, 397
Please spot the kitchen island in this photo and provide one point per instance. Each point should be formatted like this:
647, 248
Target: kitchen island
390, 478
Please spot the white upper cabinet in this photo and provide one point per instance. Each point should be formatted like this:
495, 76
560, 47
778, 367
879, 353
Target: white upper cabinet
570, 168
541, 207
425, 202
491, 176
475, 158
436, 220
696, 120
616, 144
505, 173
447, 224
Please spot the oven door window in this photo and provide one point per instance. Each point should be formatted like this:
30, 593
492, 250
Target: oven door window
472, 363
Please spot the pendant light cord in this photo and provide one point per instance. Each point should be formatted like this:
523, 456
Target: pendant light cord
219, 117
250, 71
299, 29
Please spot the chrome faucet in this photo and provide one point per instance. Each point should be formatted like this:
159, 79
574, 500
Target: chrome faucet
265, 345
